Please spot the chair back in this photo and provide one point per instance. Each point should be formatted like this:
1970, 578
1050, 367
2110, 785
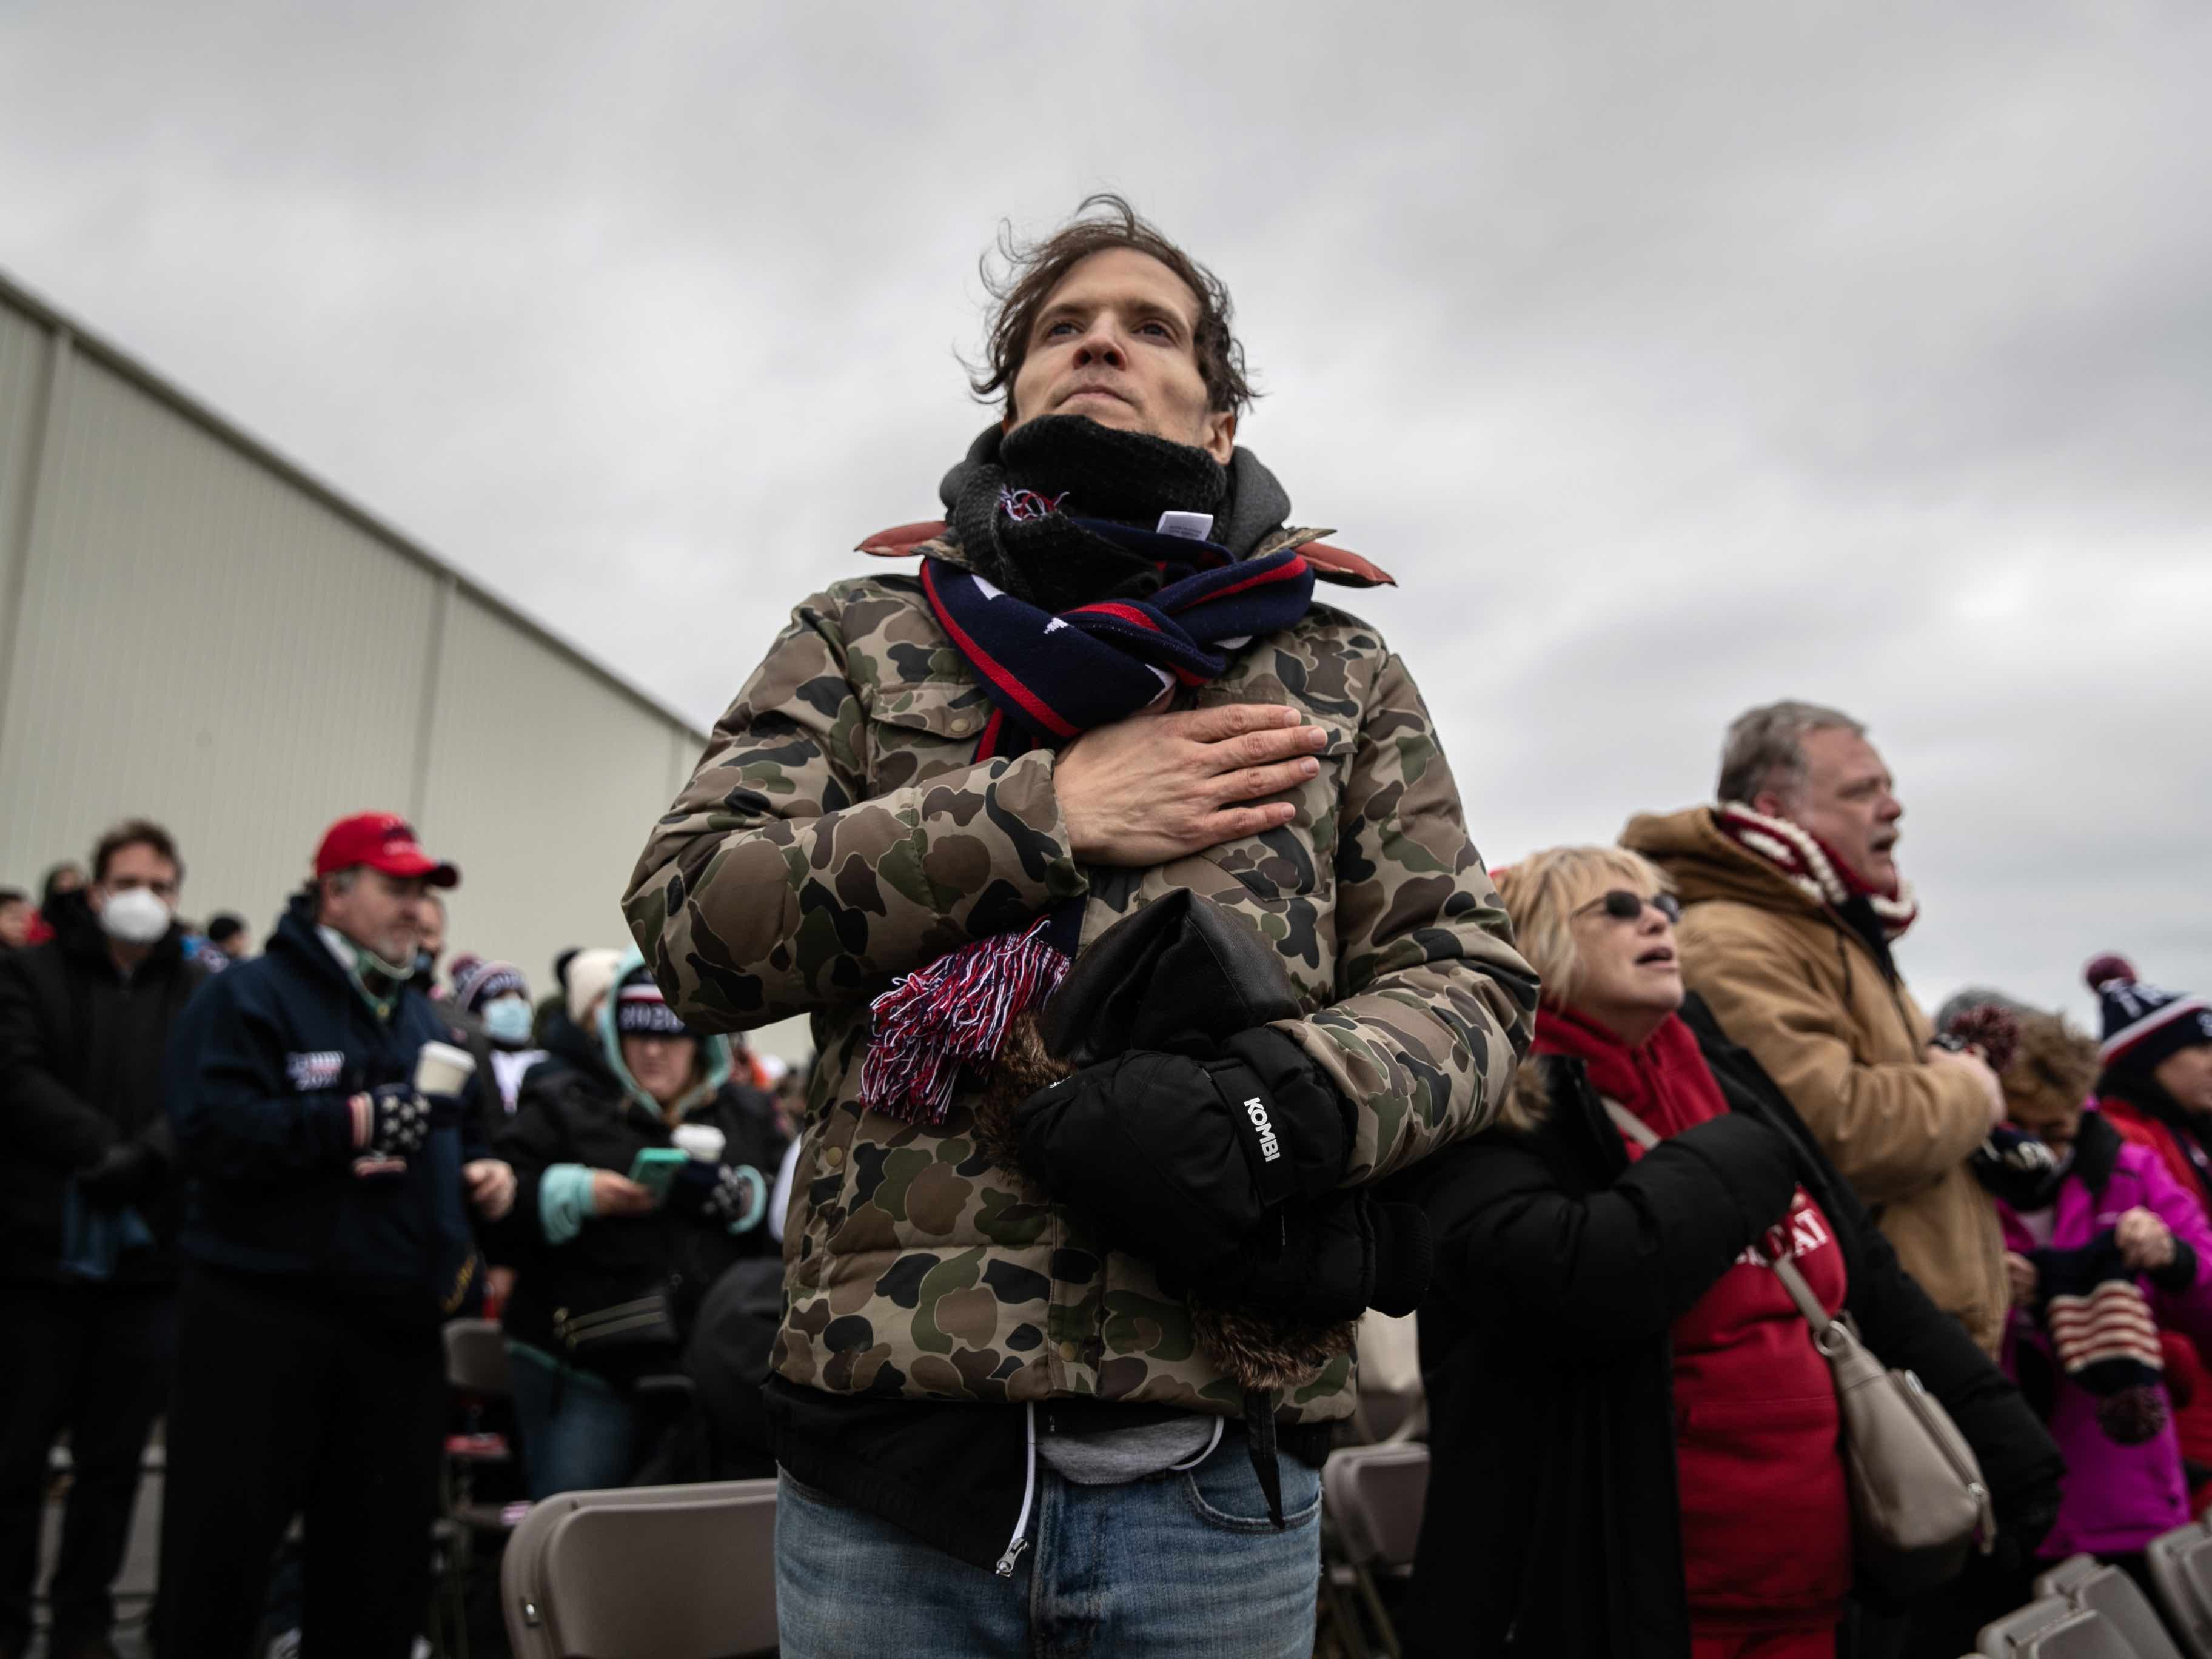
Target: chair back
2180, 1565
680, 1572
1390, 1404
475, 1357
2116, 1598
2079, 1635
2001, 1638
1376, 1495
2061, 1579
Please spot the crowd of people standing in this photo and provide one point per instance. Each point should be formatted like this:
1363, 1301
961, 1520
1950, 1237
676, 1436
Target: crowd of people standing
1169, 1020
231, 1201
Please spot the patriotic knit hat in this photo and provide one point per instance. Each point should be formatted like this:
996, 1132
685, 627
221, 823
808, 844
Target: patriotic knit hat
477, 981
642, 1011
2102, 1332
2144, 1024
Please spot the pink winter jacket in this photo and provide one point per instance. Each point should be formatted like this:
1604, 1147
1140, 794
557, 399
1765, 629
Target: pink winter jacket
2116, 1498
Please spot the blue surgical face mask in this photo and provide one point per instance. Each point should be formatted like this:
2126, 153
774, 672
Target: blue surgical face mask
506, 1021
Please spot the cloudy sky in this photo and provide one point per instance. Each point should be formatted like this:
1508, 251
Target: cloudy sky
1675, 358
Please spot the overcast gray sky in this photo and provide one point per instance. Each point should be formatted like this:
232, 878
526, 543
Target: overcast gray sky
1675, 358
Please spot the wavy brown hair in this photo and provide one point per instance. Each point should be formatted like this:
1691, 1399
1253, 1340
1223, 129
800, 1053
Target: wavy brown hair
2054, 1064
1023, 274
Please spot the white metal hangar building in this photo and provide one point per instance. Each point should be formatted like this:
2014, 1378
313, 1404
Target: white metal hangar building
193, 629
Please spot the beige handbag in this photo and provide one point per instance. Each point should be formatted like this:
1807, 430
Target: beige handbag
1919, 1502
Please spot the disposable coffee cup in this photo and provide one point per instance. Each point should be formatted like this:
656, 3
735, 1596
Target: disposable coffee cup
442, 1069
700, 1141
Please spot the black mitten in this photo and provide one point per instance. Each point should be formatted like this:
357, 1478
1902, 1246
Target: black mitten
1177, 1159
1326, 1261
128, 1172
732, 1197
398, 1120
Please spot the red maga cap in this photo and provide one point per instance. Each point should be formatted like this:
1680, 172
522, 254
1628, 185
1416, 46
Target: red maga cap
382, 841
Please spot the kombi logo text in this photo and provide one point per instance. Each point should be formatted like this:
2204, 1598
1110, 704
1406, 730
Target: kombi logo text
1270, 1148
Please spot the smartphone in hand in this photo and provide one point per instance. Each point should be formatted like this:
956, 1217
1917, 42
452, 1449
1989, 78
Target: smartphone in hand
655, 1169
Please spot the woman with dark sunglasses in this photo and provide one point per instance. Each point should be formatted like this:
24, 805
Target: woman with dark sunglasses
1635, 1443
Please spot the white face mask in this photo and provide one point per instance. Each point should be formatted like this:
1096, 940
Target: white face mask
135, 917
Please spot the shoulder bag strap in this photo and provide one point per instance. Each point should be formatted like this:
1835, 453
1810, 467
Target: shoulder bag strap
1629, 1124
1784, 1269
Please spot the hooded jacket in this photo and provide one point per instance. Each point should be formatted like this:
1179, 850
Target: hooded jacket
588, 1110
1793, 983
1561, 1269
839, 833
260, 1071
81, 1057
2116, 1498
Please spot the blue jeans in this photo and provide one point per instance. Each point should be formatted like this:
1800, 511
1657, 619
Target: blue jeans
1178, 1565
588, 1444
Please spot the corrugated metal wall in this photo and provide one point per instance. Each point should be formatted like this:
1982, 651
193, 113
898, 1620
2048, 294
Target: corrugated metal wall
191, 629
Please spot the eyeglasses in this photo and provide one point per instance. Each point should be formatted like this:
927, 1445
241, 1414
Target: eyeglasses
1622, 905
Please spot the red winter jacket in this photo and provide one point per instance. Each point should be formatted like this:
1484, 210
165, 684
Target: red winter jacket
2192, 1406
1766, 1514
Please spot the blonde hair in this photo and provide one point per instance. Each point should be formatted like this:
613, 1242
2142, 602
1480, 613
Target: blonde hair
1543, 892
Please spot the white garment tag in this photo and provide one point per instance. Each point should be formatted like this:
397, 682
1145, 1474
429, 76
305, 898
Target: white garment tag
1191, 526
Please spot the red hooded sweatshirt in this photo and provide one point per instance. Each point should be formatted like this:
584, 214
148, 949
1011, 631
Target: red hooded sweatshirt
1767, 1535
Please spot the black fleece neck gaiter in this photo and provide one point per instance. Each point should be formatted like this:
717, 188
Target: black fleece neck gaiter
1020, 521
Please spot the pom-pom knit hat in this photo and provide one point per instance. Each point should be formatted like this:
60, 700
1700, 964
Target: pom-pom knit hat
2144, 1024
477, 981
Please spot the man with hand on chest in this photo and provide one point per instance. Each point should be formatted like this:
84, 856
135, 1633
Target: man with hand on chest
1058, 1363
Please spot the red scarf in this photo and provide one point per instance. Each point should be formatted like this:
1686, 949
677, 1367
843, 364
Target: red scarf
1666, 1082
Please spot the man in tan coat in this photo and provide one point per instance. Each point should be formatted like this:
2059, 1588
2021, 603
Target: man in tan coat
1791, 899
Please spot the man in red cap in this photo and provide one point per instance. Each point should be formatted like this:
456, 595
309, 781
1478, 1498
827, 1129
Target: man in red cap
328, 1235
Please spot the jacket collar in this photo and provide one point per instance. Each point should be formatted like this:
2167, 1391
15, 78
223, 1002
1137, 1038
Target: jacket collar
294, 939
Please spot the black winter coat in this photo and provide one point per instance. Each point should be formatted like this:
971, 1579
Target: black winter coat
260, 1071
574, 1111
80, 1055
1553, 1523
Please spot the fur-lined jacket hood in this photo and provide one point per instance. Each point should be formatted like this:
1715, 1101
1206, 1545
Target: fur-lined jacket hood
1529, 1102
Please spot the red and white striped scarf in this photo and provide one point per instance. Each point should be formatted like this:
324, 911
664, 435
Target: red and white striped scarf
1813, 867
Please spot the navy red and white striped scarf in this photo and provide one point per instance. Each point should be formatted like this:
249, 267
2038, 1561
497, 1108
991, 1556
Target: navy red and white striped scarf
1815, 868
1050, 678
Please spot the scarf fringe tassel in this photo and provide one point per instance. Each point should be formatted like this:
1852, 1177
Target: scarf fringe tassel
953, 1013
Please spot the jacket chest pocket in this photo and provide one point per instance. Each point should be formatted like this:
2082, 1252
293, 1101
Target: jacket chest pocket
924, 730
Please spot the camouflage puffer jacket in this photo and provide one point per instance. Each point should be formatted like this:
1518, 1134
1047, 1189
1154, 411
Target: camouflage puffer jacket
838, 833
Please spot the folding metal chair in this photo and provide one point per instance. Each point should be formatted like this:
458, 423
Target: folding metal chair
1391, 1405
476, 1368
2080, 1635
1371, 1502
2001, 1638
2181, 1571
2086, 1583
679, 1573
